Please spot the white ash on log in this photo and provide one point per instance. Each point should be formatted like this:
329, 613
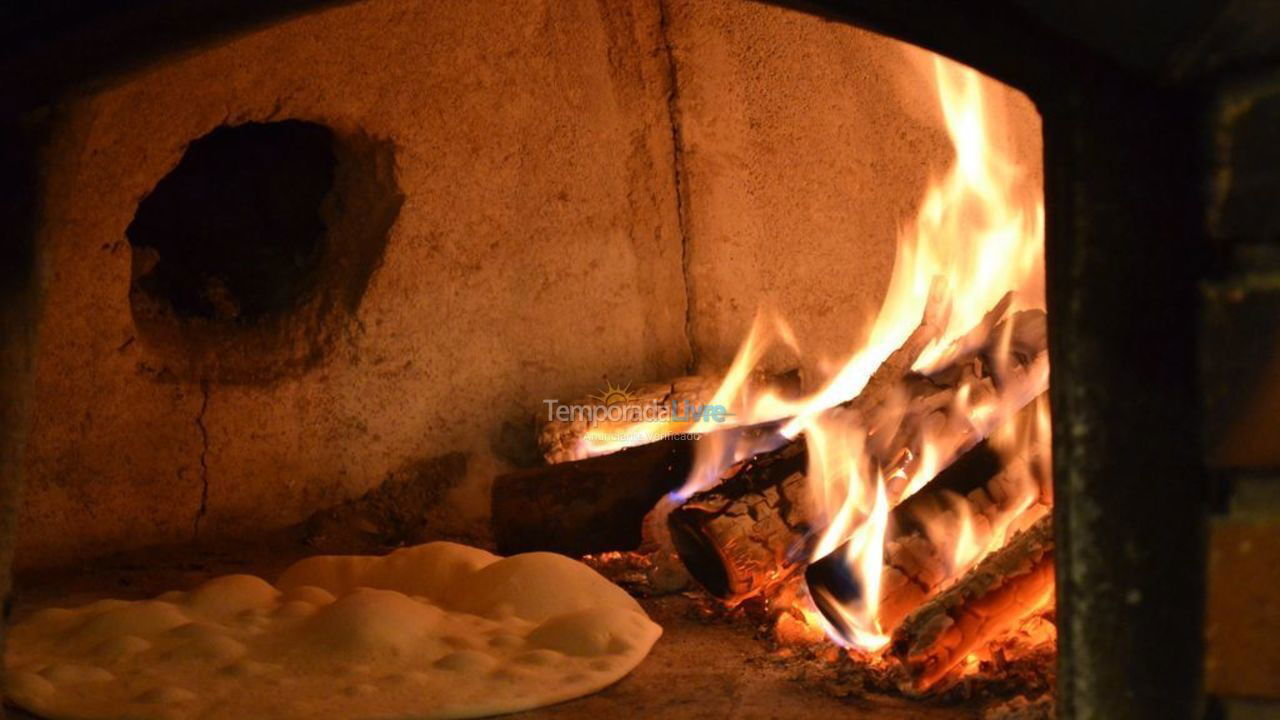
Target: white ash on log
758, 526
1007, 587
983, 372
749, 531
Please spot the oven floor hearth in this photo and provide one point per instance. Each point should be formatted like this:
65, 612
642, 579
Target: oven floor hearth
698, 670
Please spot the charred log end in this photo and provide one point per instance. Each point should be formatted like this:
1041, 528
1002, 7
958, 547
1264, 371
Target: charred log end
699, 552
586, 506
832, 585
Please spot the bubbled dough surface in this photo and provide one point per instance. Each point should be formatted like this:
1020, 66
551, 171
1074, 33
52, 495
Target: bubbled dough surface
435, 631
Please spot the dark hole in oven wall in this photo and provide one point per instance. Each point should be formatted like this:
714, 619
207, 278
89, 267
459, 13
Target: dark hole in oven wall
234, 232
251, 255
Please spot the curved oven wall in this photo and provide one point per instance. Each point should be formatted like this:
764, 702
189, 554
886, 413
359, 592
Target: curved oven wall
578, 191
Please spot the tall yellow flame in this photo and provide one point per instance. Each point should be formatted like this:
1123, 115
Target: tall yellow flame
982, 241
975, 233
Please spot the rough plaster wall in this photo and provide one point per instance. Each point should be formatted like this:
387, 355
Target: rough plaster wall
805, 146
537, 251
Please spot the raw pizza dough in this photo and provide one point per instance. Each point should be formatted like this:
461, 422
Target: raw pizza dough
435, 631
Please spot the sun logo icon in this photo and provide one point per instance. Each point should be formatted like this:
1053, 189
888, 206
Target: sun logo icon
614, 394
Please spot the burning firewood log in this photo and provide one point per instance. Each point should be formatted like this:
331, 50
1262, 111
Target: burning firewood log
562, 440
579, 504
572, 439
915, 566
755, 527
1007, 587
594, 505
587, 506
758, 526
992, 495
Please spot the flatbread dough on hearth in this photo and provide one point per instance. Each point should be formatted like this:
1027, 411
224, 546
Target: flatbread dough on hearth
435, 631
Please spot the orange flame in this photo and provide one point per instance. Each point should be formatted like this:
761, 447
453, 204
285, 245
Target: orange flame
983, 241
865, 556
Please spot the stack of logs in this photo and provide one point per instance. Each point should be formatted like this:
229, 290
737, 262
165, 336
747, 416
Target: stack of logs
758, 526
